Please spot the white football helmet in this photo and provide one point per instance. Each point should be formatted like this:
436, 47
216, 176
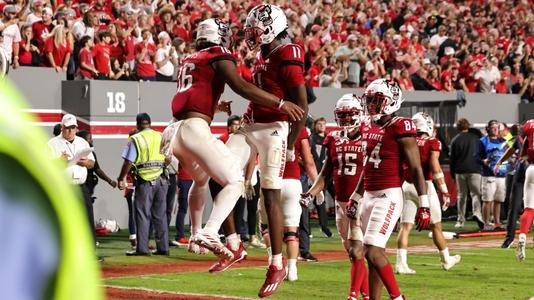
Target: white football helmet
382, 97
348, 111
215, 31
264, 22
424, 123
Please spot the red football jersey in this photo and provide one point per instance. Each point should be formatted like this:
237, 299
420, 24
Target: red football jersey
528, 130
199, 87
276, 73
383, 169
426, 146
292, 168
346, 157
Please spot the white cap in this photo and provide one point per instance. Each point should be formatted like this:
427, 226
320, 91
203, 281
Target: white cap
69, 120
426, 61
449, 51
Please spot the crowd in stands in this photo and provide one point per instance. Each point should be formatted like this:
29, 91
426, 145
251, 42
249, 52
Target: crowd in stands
472, 45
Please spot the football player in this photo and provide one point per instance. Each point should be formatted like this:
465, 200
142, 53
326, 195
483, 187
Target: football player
527, 153
279, 70
344, 160
388, 142
429, 150
201, 79
290, 202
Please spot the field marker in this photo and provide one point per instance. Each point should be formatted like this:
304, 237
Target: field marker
176, 293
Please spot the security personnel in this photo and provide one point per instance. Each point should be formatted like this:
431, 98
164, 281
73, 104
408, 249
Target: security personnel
143, 154
48, 253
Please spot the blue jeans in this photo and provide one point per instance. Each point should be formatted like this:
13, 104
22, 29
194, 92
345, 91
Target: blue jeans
183, 192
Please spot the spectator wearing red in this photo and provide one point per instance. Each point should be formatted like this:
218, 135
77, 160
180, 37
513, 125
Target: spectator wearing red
314, 42
102, 54
405, 82
42, 29
315, 71
446, 77
102, 11
116, 47
27, 50
434, 78
57, 49
144, 56
87, 68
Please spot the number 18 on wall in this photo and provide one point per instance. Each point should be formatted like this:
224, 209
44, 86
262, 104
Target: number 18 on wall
116, 102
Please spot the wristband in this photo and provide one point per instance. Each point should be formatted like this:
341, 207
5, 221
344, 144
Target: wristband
357, 197
443, 188
280, 103
438, 175
423, 201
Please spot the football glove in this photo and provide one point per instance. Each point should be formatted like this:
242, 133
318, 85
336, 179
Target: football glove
422, 219
248, 192
319, 198
305, 199
352, 209
446, 201
290, 155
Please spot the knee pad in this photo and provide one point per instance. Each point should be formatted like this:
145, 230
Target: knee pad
291, 236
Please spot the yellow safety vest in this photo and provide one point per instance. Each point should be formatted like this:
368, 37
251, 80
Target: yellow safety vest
149, 162
78, 273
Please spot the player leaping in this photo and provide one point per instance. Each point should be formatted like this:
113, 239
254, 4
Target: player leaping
525, 222
429, 150
389, 141
201, 80
344, 161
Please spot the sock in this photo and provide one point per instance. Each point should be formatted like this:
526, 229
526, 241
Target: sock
526, 220
196, 205
402, 256
133, 236
292, 263
269, 256
444, 255
277, 261
522, 237
364, 288
233, 241
223, 204
388, 278
358, 273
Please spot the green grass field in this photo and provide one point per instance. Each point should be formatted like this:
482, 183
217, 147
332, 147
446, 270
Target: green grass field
490, 273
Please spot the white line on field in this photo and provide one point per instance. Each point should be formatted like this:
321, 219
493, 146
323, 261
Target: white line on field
170, 292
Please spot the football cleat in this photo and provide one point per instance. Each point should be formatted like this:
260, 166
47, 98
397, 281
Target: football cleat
404, 269
520, 250
273, 281
292, 274
352, 296
212, 243
196, 249
256, 243
453, 260
459, 225
223, 264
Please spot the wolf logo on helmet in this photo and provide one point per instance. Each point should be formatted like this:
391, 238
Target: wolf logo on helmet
215, 31
264, 22
382, 97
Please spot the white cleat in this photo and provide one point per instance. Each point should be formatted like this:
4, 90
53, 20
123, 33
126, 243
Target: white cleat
453, 260
459, 225
292, 274
404, 269
520, 250
196, 249
256, 243
213, 243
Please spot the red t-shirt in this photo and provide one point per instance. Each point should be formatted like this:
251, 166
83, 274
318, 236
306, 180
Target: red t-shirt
145, 67
347, 157
86, 56
282, 70
446, 80
129, 48
40, 33
102, 58
384, 155
426, 146
313, 74
528, 131
58, 53
292, 168
25, 57
501, 87
117, 51
182, 174
199, 87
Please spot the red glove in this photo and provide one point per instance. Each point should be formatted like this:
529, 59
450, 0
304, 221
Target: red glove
305, 199
422, 219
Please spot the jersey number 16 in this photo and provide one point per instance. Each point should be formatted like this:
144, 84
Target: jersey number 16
185, 79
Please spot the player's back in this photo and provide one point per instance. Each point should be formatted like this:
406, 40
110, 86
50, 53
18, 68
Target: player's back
346, 156
528, 130
275, 73
426, 145
384, 169
199, 86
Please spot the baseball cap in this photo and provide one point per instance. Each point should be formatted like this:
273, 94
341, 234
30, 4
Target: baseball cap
352, 37
142, 118
426, 61
69, 120
315, 28
10, 9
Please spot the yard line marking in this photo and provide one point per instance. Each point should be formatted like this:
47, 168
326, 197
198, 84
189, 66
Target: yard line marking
171, 292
